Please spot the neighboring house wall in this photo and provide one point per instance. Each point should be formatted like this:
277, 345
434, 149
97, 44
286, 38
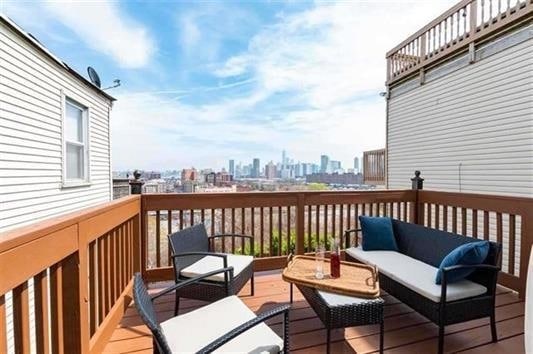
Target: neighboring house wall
469, 127
33, 88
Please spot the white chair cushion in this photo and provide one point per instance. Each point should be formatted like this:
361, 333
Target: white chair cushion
194, 330
341, 300
210, 263
416, 275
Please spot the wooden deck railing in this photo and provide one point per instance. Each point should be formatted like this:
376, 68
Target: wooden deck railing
375, 167
281, 222
78, 270
467, 22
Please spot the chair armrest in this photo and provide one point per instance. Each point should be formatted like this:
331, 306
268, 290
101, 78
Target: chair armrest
347, 237
251, 238
483, 267
217, 343
190, 281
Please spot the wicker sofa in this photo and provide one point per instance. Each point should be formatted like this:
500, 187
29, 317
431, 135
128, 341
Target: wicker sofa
409, 275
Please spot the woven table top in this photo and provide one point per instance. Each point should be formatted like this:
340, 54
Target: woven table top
358, 280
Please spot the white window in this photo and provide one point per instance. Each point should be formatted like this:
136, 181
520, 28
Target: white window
75, 155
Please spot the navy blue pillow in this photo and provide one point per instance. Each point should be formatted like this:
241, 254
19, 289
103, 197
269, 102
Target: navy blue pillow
377, 234
470, 253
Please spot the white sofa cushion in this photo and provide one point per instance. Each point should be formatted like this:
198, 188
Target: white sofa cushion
211, 263
192, 331
415, 274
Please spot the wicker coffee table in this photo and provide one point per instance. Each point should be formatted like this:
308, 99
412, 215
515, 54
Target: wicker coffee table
337, 307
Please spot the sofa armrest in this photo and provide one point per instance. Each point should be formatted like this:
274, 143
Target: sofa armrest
491, 269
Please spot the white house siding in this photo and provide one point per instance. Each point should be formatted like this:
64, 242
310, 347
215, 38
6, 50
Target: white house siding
478, 118
31, 88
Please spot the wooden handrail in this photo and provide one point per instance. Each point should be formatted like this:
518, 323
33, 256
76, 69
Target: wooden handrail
466, 22
79, 267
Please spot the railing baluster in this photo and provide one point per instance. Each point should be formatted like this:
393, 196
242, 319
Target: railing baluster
309, 229
289, 250
463, 221
486, 231
474, 223
333, 221
158, 239
93, 296
271, 231
101, 279
233, 230
56, 308
428, 215
341, 226
445, 221
21, 321
317, 224
169, 229
262, 234
280, 238
223, 229
326, 243
437, 216
454, 220
512, 243
253, 223
212, 221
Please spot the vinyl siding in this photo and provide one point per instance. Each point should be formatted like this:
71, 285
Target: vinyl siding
31, 93
479, 116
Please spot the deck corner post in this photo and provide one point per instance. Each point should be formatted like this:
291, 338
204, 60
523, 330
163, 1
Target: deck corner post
417, 208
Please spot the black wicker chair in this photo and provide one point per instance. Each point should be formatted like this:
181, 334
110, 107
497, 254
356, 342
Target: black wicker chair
193, 254
445, 312
179, 335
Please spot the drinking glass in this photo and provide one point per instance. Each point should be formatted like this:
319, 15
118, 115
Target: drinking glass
320, 256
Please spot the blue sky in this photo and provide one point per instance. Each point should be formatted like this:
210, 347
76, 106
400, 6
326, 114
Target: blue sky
208, 81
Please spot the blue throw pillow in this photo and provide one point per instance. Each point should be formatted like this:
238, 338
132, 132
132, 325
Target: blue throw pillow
470, 253
377, 234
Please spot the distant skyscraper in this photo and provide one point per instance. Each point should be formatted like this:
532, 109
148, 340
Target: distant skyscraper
283, 159
232, 167
324, 163
356, 164
271, 170
256, 169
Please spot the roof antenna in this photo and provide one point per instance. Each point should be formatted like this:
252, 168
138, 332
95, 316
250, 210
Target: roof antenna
116, 83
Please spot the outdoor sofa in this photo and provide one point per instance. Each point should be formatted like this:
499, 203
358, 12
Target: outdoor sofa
409, 275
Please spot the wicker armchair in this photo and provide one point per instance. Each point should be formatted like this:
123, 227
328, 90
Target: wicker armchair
227, 325
193, 255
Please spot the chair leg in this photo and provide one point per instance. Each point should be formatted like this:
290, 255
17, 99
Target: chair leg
291, 293
252, 286
381, 334
441, 339
493, 331
328, 340
177, 305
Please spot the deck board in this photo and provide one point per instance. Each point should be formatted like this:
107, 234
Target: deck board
405, 330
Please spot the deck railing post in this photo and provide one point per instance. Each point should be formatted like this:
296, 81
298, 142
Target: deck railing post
417, 209
525, 249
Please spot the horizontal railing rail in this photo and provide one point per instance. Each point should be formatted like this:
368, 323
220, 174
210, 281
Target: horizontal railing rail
467, 22
77, 269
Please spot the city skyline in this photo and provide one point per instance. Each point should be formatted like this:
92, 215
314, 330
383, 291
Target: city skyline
197, 90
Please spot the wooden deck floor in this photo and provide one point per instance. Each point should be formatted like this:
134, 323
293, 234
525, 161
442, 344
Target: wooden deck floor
406, 331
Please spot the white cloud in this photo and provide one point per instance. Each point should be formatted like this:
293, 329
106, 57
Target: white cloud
107, 29
327, 63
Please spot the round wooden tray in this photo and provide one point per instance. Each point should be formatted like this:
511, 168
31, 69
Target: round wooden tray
359, 280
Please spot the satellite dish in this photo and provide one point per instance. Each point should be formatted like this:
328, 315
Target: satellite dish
95, 79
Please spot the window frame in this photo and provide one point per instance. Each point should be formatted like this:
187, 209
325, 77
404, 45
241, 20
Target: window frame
68, 98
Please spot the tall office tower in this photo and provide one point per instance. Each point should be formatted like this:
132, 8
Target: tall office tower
324, 163
271, 171
356, 164
283, 159
256, 169
232, 167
